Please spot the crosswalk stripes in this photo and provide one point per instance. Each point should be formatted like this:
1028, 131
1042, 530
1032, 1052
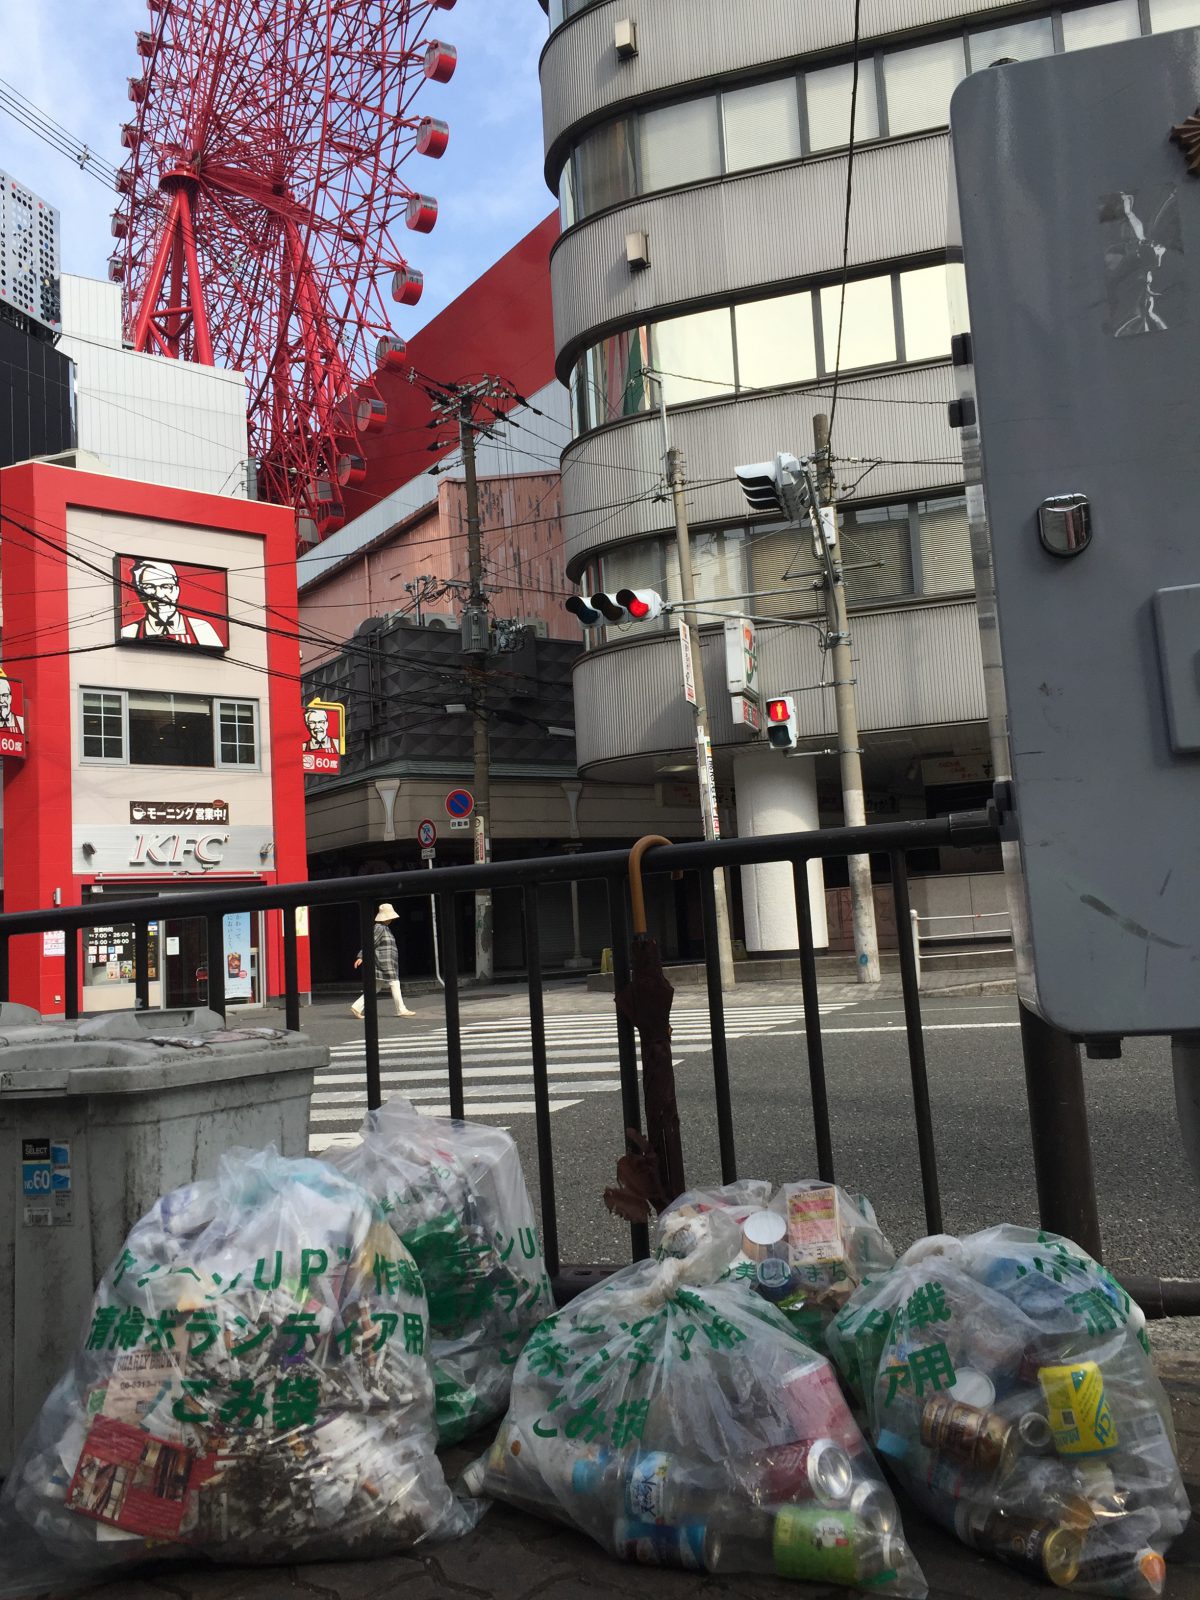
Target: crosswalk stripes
581, 1050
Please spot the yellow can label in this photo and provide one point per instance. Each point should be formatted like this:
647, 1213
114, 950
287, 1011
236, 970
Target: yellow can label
1080, 1416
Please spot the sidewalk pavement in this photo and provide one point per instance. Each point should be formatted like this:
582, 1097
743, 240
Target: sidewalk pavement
511, 1556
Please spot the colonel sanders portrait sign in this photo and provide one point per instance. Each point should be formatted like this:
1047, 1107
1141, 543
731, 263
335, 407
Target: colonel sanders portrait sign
12, 717
325, 741
171, 604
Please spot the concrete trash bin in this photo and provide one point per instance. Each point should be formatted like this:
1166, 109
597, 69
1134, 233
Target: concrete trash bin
98, 1119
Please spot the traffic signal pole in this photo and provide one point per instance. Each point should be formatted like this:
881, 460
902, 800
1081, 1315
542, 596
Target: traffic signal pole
862, 898
704, 766
481, 781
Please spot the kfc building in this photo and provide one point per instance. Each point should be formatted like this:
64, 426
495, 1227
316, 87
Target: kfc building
151, 675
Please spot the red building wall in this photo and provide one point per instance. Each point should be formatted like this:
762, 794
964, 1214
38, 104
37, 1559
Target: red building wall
502, 325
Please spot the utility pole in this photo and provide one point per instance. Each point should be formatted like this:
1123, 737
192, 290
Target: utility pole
481, 781
704, 765
862, 900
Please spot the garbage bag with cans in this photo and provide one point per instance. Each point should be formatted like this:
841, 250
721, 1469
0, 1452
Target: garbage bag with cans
806, 1249
1007, 1381
251, 1386
455, 1194
675, 1417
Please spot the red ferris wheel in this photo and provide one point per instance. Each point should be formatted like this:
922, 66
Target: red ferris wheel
261, 197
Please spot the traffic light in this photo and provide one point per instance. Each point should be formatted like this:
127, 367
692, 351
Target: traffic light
779, 486
781, 722
626, 605
642, 605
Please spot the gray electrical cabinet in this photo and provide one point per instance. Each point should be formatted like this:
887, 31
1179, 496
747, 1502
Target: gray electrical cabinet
1080, 226
98, 1119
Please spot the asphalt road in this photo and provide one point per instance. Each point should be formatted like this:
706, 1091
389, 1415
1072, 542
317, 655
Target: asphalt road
1149, 1205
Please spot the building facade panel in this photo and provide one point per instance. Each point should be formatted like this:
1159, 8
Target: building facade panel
765, 228
682, 42
897, 419
152, 763
918, 666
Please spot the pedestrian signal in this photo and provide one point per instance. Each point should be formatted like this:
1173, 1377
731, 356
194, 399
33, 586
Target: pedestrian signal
781, 722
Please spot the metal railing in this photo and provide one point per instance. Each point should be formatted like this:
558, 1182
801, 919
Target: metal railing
894, 840
961, 941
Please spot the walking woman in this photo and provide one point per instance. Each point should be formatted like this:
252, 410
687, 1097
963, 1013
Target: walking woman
387, 966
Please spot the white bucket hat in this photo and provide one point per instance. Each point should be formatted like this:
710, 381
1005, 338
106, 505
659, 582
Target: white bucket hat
387, 913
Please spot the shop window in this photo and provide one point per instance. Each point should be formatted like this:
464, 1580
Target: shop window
680, 144
1106, 24
879, 535
945, 545
868, 324
1168, 14
151, 729
925, 310
169, 730
103, 725
695, 356
1014, 41
719, 568
918, 84
775, 342
566, 193
617, 382
237, 733
762, 125
604, 173
827, 95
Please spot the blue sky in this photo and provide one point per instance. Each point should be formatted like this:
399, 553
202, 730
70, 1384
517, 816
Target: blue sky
72, 59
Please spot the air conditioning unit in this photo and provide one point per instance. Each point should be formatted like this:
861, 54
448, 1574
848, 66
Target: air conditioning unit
625, 39
443, 621
538, 626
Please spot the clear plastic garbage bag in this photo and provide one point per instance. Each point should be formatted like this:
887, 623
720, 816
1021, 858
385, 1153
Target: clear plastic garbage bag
679, 1421
806, 1250
455, 1194
1006, 1379
251, 1386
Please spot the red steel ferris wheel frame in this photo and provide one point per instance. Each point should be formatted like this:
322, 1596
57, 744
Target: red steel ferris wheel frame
261, 191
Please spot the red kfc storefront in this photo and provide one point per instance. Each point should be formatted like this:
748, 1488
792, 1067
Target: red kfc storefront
151, 679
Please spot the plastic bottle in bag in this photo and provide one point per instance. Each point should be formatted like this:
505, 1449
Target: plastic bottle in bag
651, 1486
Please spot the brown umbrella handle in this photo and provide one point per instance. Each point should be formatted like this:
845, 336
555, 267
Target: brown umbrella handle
637, 898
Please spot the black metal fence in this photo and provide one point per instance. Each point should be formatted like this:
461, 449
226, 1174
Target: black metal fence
1061, 1199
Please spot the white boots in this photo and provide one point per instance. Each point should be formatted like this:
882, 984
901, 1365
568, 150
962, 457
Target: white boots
397, 1000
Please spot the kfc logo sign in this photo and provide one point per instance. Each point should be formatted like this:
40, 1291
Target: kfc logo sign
171, 604
172, 849
12, 717
323, 749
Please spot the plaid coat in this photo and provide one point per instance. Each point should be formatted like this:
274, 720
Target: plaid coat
386, 956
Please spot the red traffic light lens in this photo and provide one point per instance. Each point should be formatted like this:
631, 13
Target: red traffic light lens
637, 609
777, 711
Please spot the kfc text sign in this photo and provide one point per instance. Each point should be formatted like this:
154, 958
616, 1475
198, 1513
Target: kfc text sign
170, 849
12, 717
325, 721
170, 603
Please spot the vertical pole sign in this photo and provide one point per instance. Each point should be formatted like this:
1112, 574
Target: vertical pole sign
741, 673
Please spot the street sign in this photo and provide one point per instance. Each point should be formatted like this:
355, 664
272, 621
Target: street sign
428, 852
459, 824
689, 674
481, 841
708, 781
460, 803
747, 713
741, 657
426, 832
